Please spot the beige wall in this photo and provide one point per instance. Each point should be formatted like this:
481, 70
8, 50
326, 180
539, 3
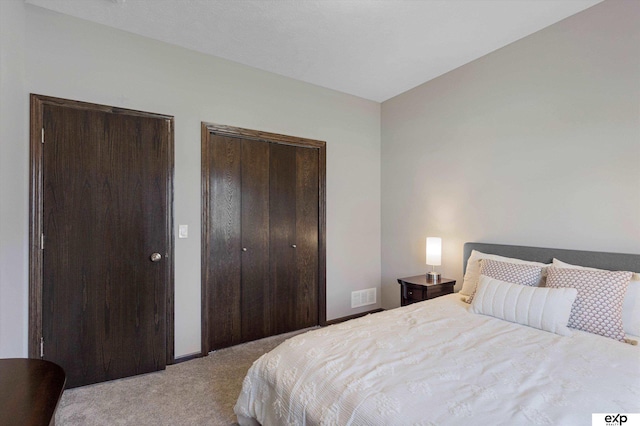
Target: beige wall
537, 143
14, 181
75, 59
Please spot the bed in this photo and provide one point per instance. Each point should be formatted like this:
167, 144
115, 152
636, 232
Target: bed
437, 362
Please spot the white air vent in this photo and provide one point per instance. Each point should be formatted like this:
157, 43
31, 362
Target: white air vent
363, 297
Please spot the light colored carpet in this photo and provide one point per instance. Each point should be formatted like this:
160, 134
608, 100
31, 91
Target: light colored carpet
202, 391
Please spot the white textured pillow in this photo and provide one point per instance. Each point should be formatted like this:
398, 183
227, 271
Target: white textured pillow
598, 306
631, 309
631, 304
472, 273
539, 307
635, 276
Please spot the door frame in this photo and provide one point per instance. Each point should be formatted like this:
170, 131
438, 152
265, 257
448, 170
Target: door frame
36, 196
238, 132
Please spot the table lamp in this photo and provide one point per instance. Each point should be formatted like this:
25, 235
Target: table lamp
434, 257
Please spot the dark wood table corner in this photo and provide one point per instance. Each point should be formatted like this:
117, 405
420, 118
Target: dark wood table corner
30, 390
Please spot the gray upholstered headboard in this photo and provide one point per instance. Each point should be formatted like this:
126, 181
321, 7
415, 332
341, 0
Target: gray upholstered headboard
594, 259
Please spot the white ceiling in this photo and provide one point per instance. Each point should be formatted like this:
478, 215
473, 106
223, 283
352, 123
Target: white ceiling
374, 49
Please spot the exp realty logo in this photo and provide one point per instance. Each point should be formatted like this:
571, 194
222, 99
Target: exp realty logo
620, 419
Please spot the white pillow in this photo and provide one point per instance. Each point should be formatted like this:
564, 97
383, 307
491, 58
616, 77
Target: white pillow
631, 304
472, 274
631, 309
560, 264
543, 308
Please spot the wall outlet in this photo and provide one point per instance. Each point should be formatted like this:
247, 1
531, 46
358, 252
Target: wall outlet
363, 297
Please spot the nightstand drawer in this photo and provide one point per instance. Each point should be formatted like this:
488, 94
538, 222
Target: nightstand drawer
416, 289
438, 291
413, 293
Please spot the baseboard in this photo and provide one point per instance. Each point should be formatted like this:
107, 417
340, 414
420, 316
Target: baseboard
331, 322
350, 317
187, 358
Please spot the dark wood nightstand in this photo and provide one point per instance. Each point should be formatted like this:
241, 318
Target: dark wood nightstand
416, 289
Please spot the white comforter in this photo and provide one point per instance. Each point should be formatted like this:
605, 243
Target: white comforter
435, 363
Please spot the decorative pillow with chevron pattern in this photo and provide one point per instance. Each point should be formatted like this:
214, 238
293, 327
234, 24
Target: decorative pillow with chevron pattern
598, 306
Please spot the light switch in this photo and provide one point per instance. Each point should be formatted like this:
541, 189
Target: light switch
183, 231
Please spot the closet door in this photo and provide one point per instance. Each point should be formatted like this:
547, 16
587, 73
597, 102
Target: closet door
263, 250
306, 261
238, 280
283, 237
294, 236
255, 307
223, 276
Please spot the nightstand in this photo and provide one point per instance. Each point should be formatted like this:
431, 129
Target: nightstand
418, 288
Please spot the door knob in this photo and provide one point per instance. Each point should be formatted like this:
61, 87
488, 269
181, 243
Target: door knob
155, 257
244, 249
293, 245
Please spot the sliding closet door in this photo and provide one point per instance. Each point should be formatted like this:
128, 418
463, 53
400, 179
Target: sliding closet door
225, 242
255, 308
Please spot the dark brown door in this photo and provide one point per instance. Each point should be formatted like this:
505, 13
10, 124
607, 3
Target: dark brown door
306, 252
263, 265
239, 210
255, 308
225, 242
294, 237
106, 213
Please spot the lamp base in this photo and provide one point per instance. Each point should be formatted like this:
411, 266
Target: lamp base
433, 276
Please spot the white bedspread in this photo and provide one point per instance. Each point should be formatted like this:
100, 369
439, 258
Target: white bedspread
435, 363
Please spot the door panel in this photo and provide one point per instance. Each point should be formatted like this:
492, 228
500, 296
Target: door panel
224, 277
277, 284
255, 306
283, 237
105, 209
69, 262
306, 289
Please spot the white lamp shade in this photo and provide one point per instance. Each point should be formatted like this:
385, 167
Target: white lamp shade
434, 251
